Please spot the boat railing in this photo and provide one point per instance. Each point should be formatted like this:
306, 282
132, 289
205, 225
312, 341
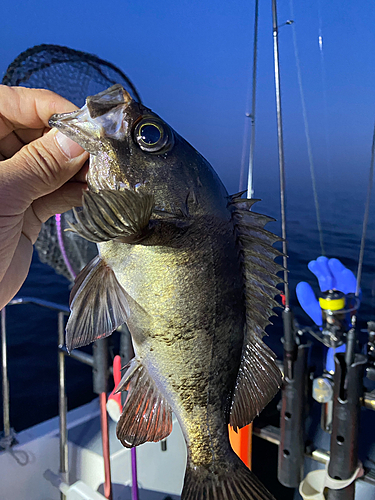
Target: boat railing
7, 440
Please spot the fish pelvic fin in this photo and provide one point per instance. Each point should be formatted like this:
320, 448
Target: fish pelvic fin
234, 481
114, 215
98, 305
258, 378
146, 414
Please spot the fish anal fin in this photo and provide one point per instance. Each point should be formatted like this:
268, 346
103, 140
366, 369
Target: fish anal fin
258, 378
121, 215
98, 305
146, 414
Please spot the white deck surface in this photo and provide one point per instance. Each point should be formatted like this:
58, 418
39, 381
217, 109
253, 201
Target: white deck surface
21, 471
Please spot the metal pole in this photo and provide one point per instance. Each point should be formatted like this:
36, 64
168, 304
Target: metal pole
100, 387
78, 355
5, 375
64, 466
250, 184
105, 444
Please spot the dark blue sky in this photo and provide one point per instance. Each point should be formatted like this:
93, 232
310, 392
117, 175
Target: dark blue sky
191, 62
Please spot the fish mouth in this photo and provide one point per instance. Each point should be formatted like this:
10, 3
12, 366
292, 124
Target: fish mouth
103, 115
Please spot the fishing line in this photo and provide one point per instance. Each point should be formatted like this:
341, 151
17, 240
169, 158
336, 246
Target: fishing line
365, 218
324, 85
307, 132
62, 246
323, 74
250, 188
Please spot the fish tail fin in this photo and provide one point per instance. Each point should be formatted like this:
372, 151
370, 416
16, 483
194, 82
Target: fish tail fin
233, 481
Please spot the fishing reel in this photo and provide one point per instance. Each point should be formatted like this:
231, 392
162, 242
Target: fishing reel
337, 310
333, 310
333, 313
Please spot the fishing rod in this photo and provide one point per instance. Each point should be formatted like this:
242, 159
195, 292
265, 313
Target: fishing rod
341, 408
348, 385
250, 188
342, 394
251, 115
294, 390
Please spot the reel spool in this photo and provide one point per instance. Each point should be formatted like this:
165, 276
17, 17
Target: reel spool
337, 311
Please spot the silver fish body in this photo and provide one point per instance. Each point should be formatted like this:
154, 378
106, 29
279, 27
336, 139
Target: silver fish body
191, 272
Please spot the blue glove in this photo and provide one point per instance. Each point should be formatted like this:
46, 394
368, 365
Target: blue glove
332, 275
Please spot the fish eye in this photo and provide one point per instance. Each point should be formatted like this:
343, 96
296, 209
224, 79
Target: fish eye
149, 134
153, 136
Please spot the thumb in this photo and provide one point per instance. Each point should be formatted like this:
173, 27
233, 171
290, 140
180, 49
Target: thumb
40, 168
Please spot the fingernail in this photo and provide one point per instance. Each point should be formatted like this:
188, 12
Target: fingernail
70, 148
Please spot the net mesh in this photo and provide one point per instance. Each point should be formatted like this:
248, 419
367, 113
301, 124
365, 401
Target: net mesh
74, 75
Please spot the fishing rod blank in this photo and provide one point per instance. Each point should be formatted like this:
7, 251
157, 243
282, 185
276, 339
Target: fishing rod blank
292, 446
250, 181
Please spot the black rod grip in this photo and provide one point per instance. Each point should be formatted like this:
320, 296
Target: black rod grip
292, 422
348, 389
126, 352
100, 371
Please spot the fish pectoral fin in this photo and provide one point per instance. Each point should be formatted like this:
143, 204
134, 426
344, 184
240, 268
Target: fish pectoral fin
114, 215
98, 305
258, 378
146, 414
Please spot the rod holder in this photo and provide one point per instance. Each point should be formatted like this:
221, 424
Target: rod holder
100, 370
126, 346
348, 390
292, 422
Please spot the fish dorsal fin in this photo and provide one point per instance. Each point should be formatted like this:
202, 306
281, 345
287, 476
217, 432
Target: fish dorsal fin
258, 378
146, 414
114, 215
98, 305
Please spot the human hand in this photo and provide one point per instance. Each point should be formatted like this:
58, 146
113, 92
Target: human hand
42, 173
332, 275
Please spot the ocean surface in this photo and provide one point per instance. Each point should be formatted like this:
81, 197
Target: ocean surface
32, 330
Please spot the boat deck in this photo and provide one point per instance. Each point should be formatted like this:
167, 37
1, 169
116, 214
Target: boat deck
160, 473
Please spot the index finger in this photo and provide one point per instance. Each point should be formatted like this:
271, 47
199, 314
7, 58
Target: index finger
23, 108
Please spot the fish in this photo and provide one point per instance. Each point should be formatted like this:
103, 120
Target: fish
191, 272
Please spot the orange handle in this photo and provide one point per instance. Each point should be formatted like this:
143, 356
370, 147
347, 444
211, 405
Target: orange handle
241, 443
